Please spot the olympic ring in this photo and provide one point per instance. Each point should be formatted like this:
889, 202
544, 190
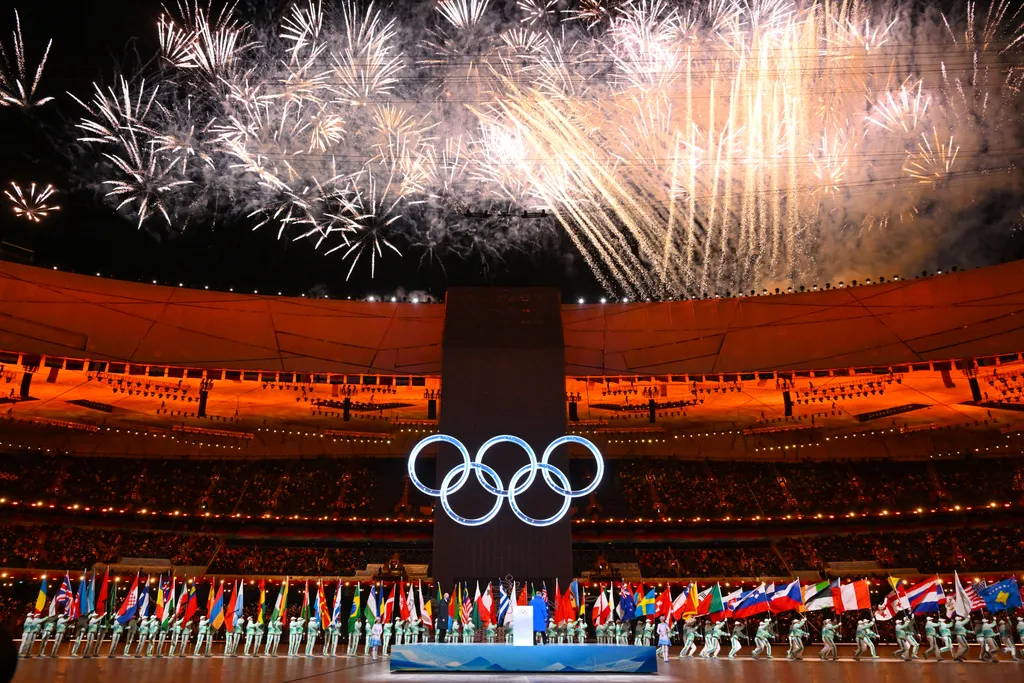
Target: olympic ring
491, 482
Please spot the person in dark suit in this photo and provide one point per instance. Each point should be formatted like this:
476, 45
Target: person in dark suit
442, 619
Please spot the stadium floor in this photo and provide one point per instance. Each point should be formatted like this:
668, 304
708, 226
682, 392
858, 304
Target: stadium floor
218, 669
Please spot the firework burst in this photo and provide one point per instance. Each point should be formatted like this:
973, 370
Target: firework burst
16, 88
32, 203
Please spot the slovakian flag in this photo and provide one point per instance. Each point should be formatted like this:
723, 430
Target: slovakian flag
786, 598
752, 603
851, 597
926, 596
126, 612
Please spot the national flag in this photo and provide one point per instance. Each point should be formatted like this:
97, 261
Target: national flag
709, 601
129, 605
216, 614
627, 603
439, 596
663, 605
818, 596
370, 611
101, 600
161, 596
353, 614
453, 606
645, 605
169, 604
403, 604
786, 598
559, 607
240, 602
523, 599
894, 603
304, 610
427, 610
280, 612
601, 612
182, 600
81, 599
229, 611
412, 604
64, 596
192, 603
89, 603
41, 597
965, 598
503, 605
1004, 595
926, 596
336, 612
211, 596
729, 602
321, 601
485, 605
751, 603
574, 598
583, 603
852, 596
611, 603
262, 607
387, 614
686, 603
467, 605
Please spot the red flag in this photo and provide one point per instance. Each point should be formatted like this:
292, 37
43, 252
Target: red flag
663, 607
229, 611
403, 604
389, 607
210, 598
193, 602
559, 610
101, 599
523, 598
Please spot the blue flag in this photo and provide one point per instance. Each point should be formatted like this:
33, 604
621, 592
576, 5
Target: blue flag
503, 603
627, 604
1000, 596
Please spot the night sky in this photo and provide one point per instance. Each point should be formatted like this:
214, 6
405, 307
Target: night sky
86, 236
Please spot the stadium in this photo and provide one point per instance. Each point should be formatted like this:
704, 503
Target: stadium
499, 337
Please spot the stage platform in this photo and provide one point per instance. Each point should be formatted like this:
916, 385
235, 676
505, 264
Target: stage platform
493, 658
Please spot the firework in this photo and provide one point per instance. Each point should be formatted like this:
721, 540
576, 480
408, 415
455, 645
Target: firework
723, 145
16, 90
31, 203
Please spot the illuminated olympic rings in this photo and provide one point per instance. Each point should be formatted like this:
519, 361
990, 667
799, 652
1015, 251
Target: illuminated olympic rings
489, 479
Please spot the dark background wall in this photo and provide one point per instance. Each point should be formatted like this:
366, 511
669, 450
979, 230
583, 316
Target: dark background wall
503, 372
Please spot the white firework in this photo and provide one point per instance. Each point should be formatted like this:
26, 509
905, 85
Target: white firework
17, 89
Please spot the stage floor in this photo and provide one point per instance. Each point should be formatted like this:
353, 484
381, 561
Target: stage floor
349, 670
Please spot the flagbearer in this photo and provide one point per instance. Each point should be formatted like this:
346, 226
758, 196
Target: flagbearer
492, 631
509, 631
762, 639
796, 638
204, 635
92, 630
581, 630
689, 636
960, 635
28, 634
45, 634
250, 637
115, 635
175, 635
132, 628
988, 642
312, 631
453, 632
828, 637
273, 638
353, 637
1006, 639
164, 625
1020, 630
468, 631
931, 635
79, 636
944, 636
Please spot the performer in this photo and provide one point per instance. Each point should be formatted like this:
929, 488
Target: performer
453, 632
175, 636
581, 631
1006, 639
312, 631
79, 635
92, 630
27, 635
709, 639
1020, 630
762, 639
931, 635
260, 632
374, 639
45, 634
988, 642
738, 635
960, 635
663, 640
492, 631
143, 637
400, 631
796, 638
468, 632
911, 638
648, 633
62, 627
162, 629
599, 633
250, 637
509, 631
717, 633
903, 651
186, 635
273, 638
864, 635
131, 631
638, 634
295, 636
944, 636
204, 635
828, 637
115, 635
552, 633
689, 636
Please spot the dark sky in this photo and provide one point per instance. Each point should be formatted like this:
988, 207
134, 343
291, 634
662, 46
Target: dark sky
89, 40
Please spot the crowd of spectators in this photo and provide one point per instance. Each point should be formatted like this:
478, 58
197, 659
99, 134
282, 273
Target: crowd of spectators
54, 546
669, 487
306, 487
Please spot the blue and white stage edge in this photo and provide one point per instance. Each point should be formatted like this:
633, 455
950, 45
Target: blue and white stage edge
493, 658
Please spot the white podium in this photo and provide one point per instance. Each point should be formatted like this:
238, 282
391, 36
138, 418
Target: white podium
522, 624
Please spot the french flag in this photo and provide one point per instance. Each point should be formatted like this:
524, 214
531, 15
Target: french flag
786, 598
754, 602
926, 596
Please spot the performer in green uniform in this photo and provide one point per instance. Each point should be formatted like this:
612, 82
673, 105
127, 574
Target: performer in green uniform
689, 638
796, 638
828, 637
116, 629
739, 634
762, 639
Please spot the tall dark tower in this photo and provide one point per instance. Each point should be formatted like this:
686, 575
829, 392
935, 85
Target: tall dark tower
502, 372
